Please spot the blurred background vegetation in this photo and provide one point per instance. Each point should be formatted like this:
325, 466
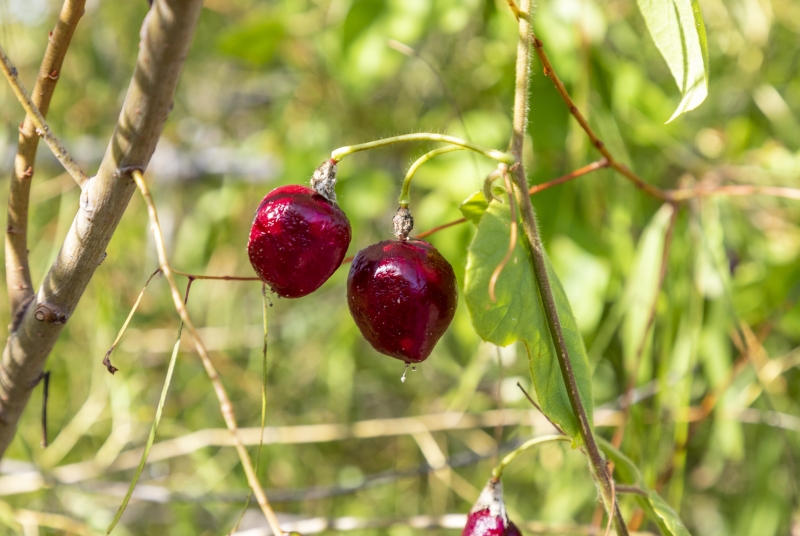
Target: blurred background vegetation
270, 88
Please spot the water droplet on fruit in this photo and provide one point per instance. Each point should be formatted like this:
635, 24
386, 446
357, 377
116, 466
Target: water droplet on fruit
403, 377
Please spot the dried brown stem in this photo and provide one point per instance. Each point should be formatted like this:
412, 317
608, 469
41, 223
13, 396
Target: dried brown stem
222, 396
18, 273
166, 37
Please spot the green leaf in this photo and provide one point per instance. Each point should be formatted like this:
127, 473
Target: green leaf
254, 42
642, 286
361, 15
679, 32
518, 315
474, 206
666, 518
657, 508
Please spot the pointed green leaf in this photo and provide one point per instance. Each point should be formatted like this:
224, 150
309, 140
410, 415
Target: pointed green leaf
679, 32
255, 42
666, 518
474, 206
642, 286
518, 315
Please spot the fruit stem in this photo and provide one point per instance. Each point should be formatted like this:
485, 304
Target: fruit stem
497, 472
597, 464
494, 154
405, 193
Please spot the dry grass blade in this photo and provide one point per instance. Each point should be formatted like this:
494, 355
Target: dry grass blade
151, 438
224, 401
107, 359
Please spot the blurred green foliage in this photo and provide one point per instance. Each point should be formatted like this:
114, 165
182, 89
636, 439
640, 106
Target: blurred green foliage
269, 89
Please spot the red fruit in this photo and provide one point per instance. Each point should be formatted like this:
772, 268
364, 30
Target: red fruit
488, 515
483, 523
402, 295
298, 239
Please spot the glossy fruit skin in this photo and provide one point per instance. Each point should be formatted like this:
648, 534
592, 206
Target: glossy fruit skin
298, 239
512, 530
402, 295
483, 523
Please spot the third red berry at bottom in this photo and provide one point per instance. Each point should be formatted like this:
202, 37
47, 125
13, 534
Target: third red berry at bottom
402, 295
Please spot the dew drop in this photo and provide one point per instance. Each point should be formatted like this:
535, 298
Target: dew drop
414, 368
403, 377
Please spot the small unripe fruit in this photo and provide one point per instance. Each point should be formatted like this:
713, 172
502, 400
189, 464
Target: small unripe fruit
402, 295
298, 239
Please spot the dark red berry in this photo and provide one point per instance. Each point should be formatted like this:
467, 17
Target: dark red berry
402, 295
298, 239
484, 523
488, 515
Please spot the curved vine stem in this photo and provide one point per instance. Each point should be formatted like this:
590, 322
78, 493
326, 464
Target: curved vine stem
597, 464
405, 193
497, 472
494, 154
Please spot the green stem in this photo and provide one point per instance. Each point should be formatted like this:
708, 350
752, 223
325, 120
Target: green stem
494, 154
597, 464
405, 193
497, 472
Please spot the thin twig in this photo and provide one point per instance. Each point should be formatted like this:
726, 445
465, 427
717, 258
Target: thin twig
596, 142
18, 273
42, 129
216, 277
225, 404
596, 462
535, 189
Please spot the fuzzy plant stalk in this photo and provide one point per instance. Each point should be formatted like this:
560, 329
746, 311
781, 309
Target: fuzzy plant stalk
597, 464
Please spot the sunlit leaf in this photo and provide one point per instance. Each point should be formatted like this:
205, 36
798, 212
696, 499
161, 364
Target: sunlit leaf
679, 33
474, 206
254, 42
361, 16
668, 521
518, 315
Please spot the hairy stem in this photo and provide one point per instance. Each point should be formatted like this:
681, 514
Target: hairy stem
405, 192
222, 395
597, 464
494, 154
18, 273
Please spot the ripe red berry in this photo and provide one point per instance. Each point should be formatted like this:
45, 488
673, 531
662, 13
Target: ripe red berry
488, 515
402, 295
484, 523
298, 239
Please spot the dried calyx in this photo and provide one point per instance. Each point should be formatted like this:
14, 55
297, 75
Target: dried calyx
488, 516
403, 223
323, 181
